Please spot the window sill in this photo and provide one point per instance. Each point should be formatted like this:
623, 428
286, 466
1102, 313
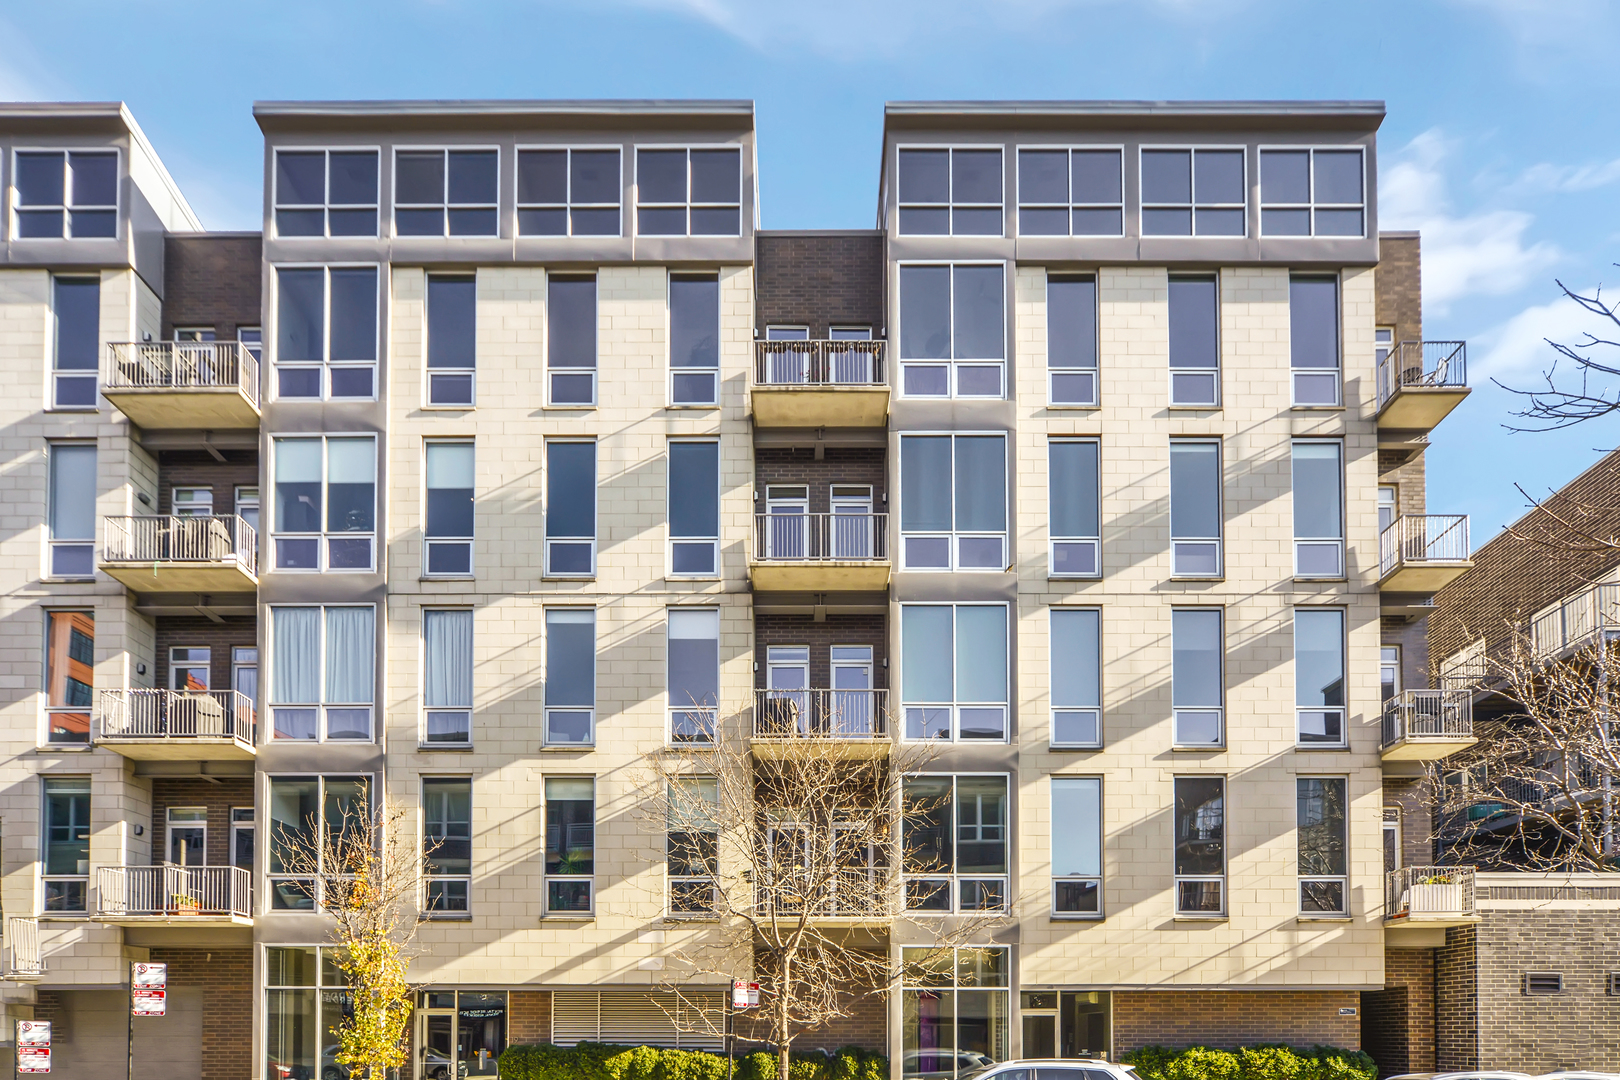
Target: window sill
581, 577
1318, 747
1318, 408
1320, 580
447, 577
568, 917
468, 407
1201, 918
63, 916
440, 748
710, 406
1215, 579
87, 409
67, 580
568, 408
1324, 918
1076, 918
1070, 406
1074, 748
1074, 577
1221, 749
574, 747
673, 578
64, 748
460, 916
692, 920
1173, 407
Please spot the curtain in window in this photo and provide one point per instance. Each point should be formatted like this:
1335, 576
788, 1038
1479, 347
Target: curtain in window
448, 659
295, 656
73, 492
350, 655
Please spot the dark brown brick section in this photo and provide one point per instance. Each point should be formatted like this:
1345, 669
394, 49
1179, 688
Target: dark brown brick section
818, 280
1408, 796
1456, 1003
1397, 1023
1384, 1032
839, 465
865, 1024
198, 468
528, 1017
212, 280
218, 796
1576, 1029
197, 632
1226, 1019
226, 976
1398, 287
770, 629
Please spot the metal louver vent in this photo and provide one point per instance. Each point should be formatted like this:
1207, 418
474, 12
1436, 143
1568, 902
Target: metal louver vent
637, 1017
1543, 982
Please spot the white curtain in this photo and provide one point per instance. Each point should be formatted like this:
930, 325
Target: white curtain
447, 665
295, 656
351, 654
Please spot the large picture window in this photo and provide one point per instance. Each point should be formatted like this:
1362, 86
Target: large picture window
950, 191
1074, 192
337, 474
67, 843
1195, 508
447, 845
570, 509
692, 845
570, 845
1313, 338
446, 192
1312, 192
1319, 673
1195, 340
695, 192
452, 338
694, 339
323, 664
76, 352
326, 193
1071, 339
569, 192
447, 676
954, 1009
571, 339
955, 839
70, 194
326, 332
1200, 845
953, 671
308, 816
306, 998
1324, 857
1193, 192
1076, 669
1077, 846
953, 502
953, 330
694, 508
1197, 677
447, 524
71, 510
570, 676
1318, 475
1074, 492
694, 674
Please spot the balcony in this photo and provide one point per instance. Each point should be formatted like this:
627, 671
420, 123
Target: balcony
1433, 896
854, 898
179, 553
1587, 616
1419, 382
1423, 553
846, 723
194, 895
1427, 725
815, 384
213, 385
23, 962
819, 553
177, 725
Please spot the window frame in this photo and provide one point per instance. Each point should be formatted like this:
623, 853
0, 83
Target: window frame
57, 374
670, 708
670, 277
954, 535
323, 558
327, 206
518, 206
550, 570
424, 740
429, 542
266, 903
1143, 205
952, 363
46, 823
430, 910
589, 742
1224, 876
326, 365
1099, 880
547, 878
52, 543
689, 205
1218, 541
47, 710
951, 205
671, 538
595, 370
955, 986
66, 207
1338, 542
1312, 206
1071, 205
1342, 711
1095, 371
953, 736
429, 373
268, 687
672, 881
1053, 539
952, 876
1294, 373
445, 207
1053, 742
1176, 742
1304, 879
1215, 373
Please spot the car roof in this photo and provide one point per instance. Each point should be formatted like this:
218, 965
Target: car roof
1024, 1062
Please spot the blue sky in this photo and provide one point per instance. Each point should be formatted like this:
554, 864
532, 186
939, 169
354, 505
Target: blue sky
1499, 144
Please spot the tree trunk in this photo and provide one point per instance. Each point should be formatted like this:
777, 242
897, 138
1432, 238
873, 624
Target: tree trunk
784, 978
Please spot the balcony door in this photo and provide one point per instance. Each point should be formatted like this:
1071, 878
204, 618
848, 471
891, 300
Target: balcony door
851, 521
853, 709
787, 677
188, 668
787, 364
787, 533
188, 835
851, 364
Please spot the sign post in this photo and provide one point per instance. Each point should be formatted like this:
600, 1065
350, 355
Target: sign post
148, 996
33, 1047
744, 995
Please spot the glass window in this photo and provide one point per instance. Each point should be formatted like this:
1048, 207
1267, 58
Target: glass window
1195, 341
953, 502
570, 844
570, 676
1197, 683
1071, 192
452, 339
447, 844
1074, 515
1318, 474
447, 524
1387, 507
1195, 508
446, 193
1319, 676
1071, 339
1389, 672
1313, 336
953, 331
692, 845
1312, 192
302, 809
694, 508
571, 338
1077, 846
447, 676
953, 667
67, 843
696, 192
694, 674
570, 509
950, 191
326, 332
343, 538
954, 837
954, 1011
569, 192
1076, 671
72, 510
694, 339
326, 193
71, 194
1193, 192
70, 658
76, 312
312, 699
1324, 856
1200, 845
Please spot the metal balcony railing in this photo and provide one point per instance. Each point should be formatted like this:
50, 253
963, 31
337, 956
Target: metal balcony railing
182, 365
856, 893
1414, 539
1583, 617
173, 891
1430, 364
182, 538
142, 713
1429, 892
818, 363
23, 959
1428, 714
821, 714
792, 538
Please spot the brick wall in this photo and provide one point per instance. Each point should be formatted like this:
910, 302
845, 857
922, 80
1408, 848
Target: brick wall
870, 630
528, 1017
226, 976
1226, 1019
866, 1026
197, 632
1409, 475
1408, 975
1399, 285
1384, 1029
1577, 1029
198, 468
1417, 830
840, 465
1456, 1017
819, 281
218, 796
212, 281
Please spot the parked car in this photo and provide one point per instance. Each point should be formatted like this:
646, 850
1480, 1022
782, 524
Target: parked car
1578, 1074
1057, 1069
1479, 1074
938, 1064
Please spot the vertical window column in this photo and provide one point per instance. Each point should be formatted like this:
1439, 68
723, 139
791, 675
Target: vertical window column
953, 502
570, 845
315, 700
954, 839
1195, 508
692, 845
1076, 670
326, 332
1077, 846
1318, 473
1195, 340
570, 677
447, 677
1324, 856
1197, 683
75, 358
571, 344
1200, 845
694, 508
953, 671
694, 339
1074, 514
447, 527
452, 338
72, 510
1313, 339
67, 843
1319, 676
1071, 339
570, 509
953, 331
694, 674
447, 844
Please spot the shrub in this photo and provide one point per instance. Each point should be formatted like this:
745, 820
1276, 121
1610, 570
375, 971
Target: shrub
1202, 1063
1150, 1061
603, 1061
1261, 1062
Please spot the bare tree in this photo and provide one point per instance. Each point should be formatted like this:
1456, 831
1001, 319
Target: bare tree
364, 870
795, 845
1587, 395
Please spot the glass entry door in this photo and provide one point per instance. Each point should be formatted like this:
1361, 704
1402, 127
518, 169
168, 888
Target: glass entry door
460, 1033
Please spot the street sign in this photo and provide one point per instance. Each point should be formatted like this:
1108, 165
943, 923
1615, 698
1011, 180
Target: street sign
148, 1002
33, 1033
149, 976
744, 995
33, 1046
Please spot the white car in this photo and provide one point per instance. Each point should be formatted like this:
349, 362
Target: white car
1477, 1074
1057, 1069
937, 1064
1578, 1074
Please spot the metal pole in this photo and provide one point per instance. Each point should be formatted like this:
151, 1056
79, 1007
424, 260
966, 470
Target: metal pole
129, 1071
731, 1036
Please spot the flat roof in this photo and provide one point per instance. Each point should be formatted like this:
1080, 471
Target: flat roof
1359, 115
288, 115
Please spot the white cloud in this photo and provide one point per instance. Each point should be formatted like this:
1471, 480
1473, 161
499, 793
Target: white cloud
1517, 352
1484, 253
1568, 178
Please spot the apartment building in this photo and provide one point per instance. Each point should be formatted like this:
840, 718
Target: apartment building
513, 453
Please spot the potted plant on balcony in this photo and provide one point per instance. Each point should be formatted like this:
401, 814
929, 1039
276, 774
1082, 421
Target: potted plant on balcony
183, 904
1436, 894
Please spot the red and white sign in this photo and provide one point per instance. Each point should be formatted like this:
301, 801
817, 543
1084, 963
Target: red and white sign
148, 1002
33, 1033
33, 1059
744, 995
149, 976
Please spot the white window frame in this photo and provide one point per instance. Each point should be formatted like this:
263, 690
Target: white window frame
955, 536
672, 880
1082, 916
267, 688
1095, 372
52, 543
950, 205
1392, 504
428, 877
550, 541
425, 708
1219, 539
545, 826
1294, 373
671, 709
1214, 373
177, 663
669, 340
65, 206
1338, 543
689, 205
430, 542
1052, 660
54, 344
327, 206
45, 877
46, 709
672, 539
1343, 711
446, 206
1219, 710
326, 365
1195, 205
170, 825
253, 344
429, 373
951, 876
277, 534
1053, 540
1070, 206
595, 370
1389, 659
1312, 206
589, 742
1226, 855
953, 363
955, 706
262, 850
569, 206
1343, 880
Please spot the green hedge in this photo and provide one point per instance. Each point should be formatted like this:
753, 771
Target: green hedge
603, 1061
1265, 1062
